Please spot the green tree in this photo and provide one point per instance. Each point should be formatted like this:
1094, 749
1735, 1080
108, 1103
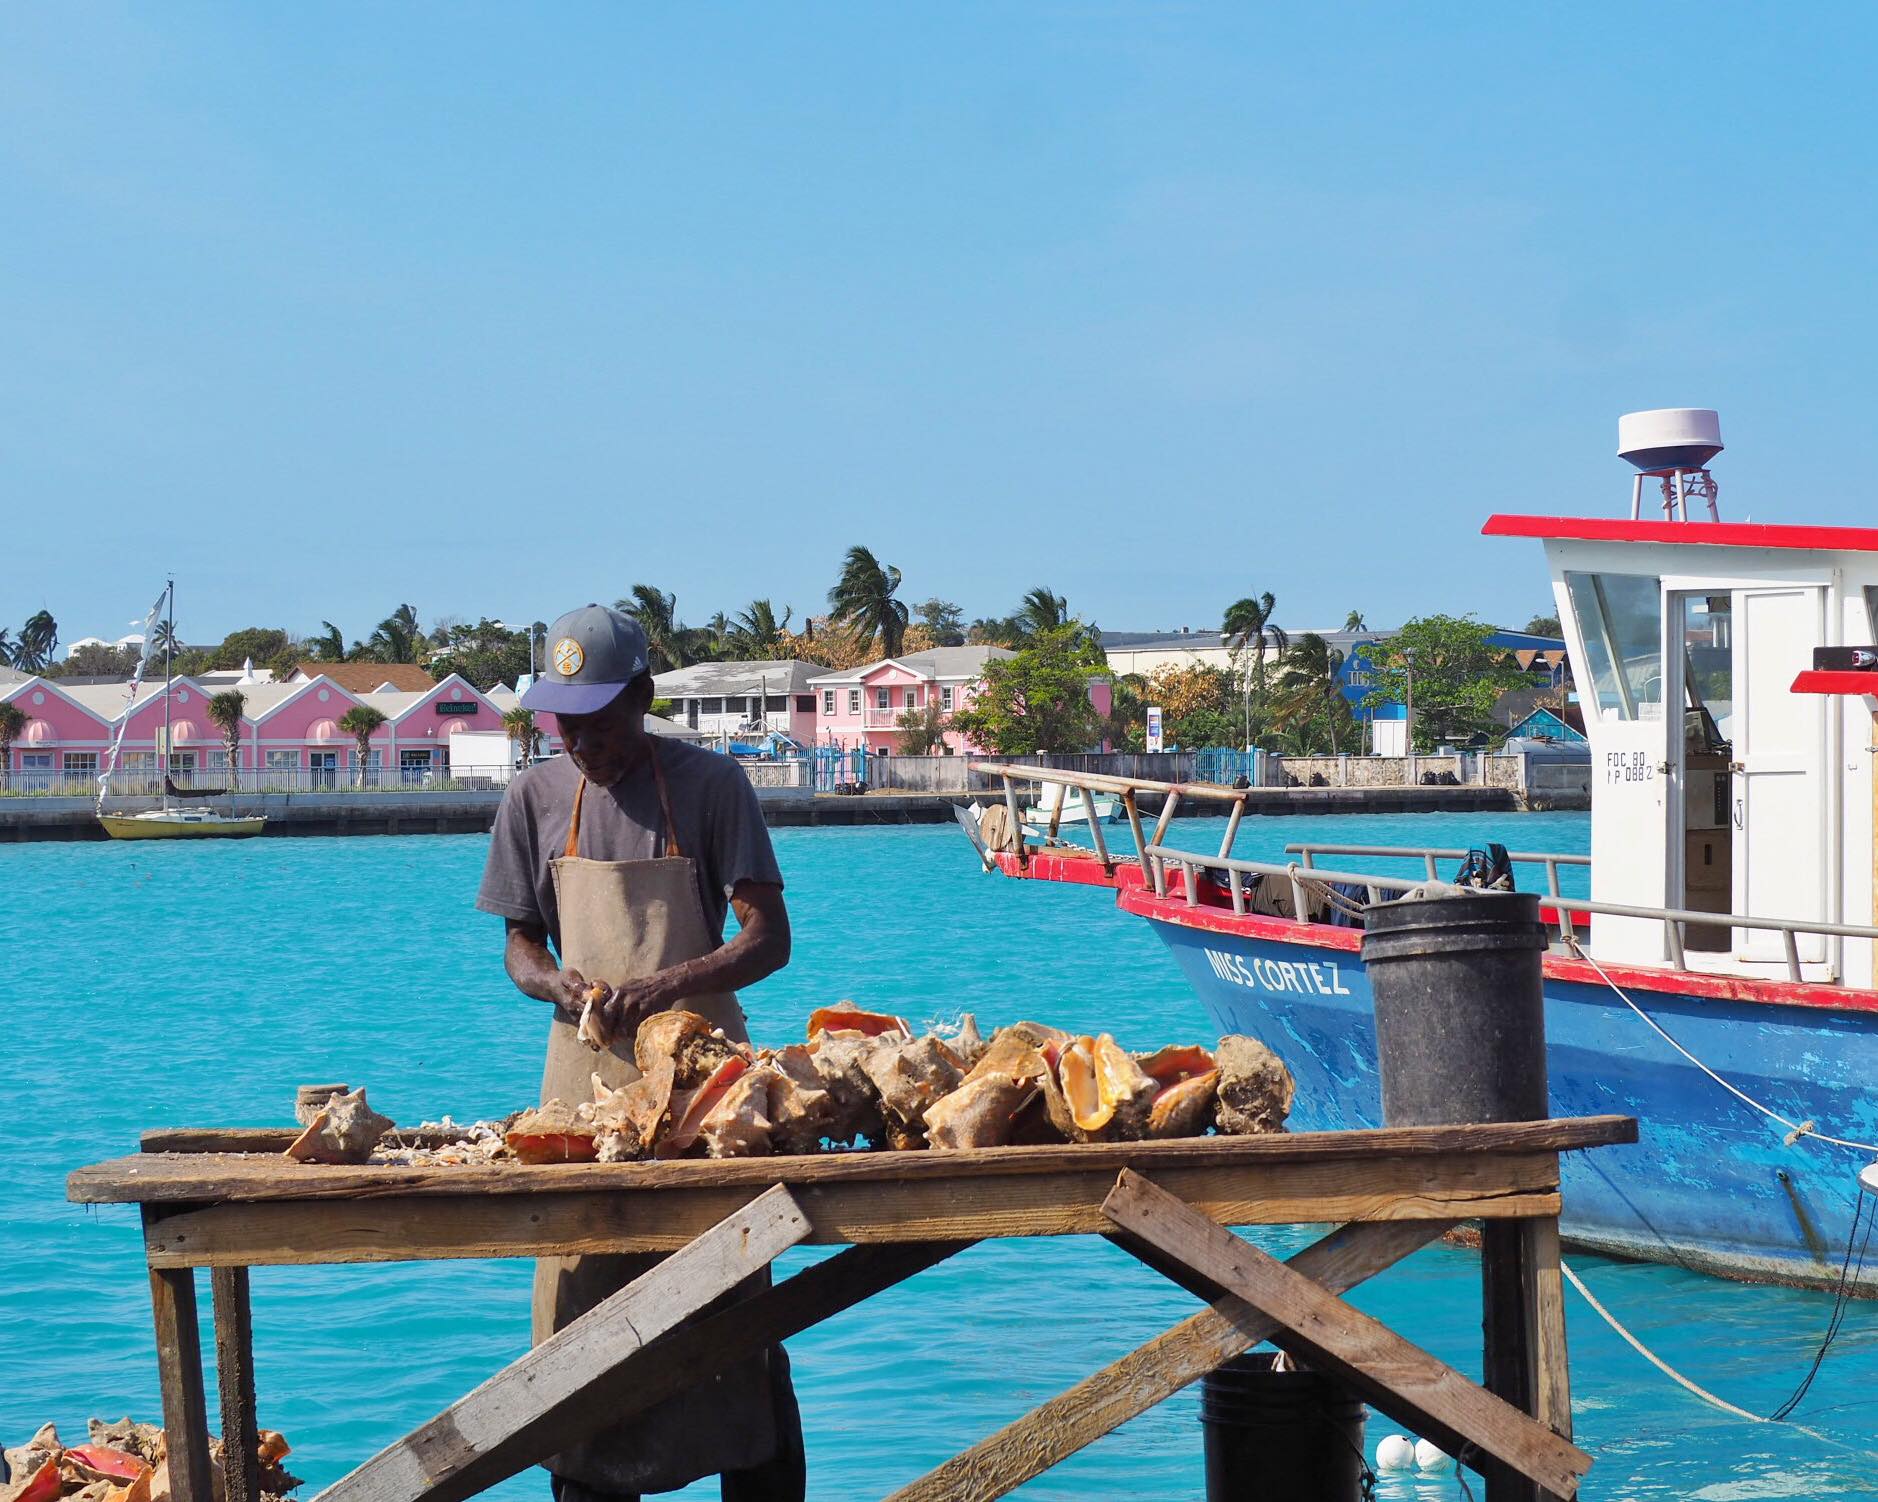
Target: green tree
758, 633
922, 730
1543, 625
1199, 705
265, 646
12, 724
1354, 621
944, 619
1309, 693
164, 641
1037, 700
96, 660
397, 637
996, 631
38, 640
6, 645
361, 722
1449, 670
863, 602
1249, 632
1127, 726
669, 642
486, 654
520, 724
225, 712
330, 644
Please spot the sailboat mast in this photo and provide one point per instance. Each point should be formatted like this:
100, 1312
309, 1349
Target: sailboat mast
169, 646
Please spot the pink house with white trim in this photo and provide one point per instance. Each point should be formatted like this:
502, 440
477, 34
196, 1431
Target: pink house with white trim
862, 707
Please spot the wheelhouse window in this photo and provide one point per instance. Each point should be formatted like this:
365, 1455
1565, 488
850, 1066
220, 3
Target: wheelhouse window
1621, 619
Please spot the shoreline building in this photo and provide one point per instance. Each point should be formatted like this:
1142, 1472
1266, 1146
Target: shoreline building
862, 707
754, 698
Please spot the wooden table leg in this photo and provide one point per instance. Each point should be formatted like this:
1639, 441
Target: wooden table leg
179, 1370
234, 1371
1523, 1325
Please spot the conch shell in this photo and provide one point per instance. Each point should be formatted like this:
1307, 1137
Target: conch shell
801, 1110
693, 1045
1097, 1091
554, 1132
1187, 1081
42, 1485
629, 1119
909, 1075
1255, 1088
981, 1112
738, 1124
592, 1030
691, 1107
846, 1017
102, 1463
345, 1131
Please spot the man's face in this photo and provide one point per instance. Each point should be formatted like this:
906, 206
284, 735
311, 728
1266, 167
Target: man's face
605, 744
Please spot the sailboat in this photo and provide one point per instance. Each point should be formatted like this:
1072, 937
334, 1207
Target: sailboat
173, 819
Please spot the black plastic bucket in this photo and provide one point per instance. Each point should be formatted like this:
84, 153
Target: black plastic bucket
1279, 1436
1460, 1007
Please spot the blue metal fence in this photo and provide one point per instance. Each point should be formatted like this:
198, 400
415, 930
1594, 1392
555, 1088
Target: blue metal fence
1226, 766
836, 767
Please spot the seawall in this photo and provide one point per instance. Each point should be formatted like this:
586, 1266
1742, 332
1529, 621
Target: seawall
418, 812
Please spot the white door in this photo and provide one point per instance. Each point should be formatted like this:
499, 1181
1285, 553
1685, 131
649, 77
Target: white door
1779, 770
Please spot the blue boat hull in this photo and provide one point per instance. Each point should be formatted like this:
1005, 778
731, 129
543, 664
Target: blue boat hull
1712, 1183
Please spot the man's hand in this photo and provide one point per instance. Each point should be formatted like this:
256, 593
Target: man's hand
630, 1004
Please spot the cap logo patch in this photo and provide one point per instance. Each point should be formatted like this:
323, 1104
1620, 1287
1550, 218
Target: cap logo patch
568, 657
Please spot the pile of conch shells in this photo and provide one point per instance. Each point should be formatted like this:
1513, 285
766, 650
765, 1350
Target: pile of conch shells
865, 1077
121, 1462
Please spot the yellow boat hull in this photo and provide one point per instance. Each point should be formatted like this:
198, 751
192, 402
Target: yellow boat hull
150, 827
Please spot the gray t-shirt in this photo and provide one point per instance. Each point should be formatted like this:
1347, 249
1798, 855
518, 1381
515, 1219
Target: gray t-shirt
719, 826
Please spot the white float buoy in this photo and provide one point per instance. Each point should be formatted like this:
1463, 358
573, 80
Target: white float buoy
1431, 1458
1396, 1452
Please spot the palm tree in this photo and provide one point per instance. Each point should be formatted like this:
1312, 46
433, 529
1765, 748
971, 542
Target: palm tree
1354, 621
1041, 610
360, 722
520, 724
39, 639
862, 600
1310, 682
12, 723
330, 644
669, 642
758, 631
397, 636
6, 645
163, 639
1248, 628
225, 712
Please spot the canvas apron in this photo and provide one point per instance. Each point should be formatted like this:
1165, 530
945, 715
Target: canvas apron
622, 921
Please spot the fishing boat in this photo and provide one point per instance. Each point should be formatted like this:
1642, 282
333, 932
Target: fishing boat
1055, 808
176, 817
1718, 983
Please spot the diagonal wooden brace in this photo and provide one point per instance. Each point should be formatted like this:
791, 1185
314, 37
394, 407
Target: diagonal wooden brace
1312, 1323
1156, 1371
508, 1423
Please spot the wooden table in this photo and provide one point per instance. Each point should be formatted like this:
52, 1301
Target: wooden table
1387, 1192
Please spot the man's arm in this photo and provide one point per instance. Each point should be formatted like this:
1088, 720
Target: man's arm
532, 967
761, 948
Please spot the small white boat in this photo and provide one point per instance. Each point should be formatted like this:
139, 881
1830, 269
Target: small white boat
1054, 799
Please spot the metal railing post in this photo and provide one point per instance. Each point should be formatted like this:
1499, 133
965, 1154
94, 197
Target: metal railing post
1095, 827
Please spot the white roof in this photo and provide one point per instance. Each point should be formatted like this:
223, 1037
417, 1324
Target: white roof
711, 680
657, 724
960, 663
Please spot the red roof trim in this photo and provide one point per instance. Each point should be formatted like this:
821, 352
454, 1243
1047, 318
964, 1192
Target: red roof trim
1815, 681
1688, 534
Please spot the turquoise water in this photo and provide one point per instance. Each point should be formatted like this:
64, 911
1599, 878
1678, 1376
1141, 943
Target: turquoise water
197, 983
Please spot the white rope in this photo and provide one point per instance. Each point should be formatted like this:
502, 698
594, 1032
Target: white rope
1696, 1388
1795, 1129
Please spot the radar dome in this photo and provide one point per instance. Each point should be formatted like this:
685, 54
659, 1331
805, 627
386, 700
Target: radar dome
1669, 438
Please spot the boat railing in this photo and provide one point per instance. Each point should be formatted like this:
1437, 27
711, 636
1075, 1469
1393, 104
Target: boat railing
1156, 857
1550, 860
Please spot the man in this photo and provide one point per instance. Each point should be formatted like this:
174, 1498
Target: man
614, 866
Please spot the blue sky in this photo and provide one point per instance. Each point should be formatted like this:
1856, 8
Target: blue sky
497, 309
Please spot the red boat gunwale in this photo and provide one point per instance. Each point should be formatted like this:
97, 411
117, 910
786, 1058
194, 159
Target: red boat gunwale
1133, 895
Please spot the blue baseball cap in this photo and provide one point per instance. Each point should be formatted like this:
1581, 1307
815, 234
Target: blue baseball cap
593, 653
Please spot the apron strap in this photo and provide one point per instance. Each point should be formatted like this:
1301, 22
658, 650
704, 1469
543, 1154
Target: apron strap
572, 847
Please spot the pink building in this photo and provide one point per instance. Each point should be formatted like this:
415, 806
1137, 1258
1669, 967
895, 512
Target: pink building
290, 733
862, 707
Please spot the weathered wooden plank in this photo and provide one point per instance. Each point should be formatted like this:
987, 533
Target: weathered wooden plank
201, 1177
555, 1375
1403, 1380
264, 1139
179, 1376
1153, 1372
1523, 1324
234, 1375
675, 1361
1545, 1295
400, 1229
